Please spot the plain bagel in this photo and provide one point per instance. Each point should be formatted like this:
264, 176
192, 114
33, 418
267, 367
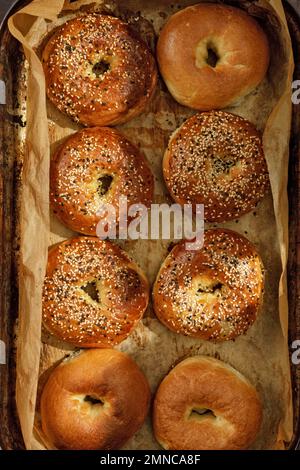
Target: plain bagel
205, 404
212, 55
96, 399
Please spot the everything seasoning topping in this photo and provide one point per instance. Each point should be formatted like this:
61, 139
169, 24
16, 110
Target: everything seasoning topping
216, 159
96, 64
72, 312
212, 293
95, 166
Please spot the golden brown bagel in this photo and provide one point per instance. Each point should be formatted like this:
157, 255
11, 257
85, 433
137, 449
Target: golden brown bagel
204, 404
97, 166
94, 294
213, 293
98, 71
95, 400
212, 55
216, 159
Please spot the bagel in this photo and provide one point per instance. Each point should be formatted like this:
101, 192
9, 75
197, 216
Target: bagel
217, 159
210, 56
96, 399
97, 166
93, 294
205, 404
98, 71
214, 293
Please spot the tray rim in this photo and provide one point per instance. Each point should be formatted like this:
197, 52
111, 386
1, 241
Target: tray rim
292, 9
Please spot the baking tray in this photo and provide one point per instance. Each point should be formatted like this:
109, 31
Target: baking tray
11, 124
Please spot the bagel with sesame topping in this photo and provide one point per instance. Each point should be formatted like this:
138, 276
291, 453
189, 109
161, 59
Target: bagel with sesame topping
94, 399
205, 404
98, 70
97, 166
211, 56
213, 293
216, 158
93, 294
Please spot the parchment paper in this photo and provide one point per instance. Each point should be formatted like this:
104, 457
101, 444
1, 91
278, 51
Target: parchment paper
262, 354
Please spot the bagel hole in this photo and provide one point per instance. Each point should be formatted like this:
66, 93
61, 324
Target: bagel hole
201, 412
209, 288
93, 400
91, 290
212, 58
104, 184
100, 68
222, 165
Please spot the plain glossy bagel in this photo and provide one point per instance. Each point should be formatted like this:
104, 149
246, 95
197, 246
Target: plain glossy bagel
213, 293
97, 166
212, 55
94, 294
97, 399
204, 404
98, 71
217, 159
